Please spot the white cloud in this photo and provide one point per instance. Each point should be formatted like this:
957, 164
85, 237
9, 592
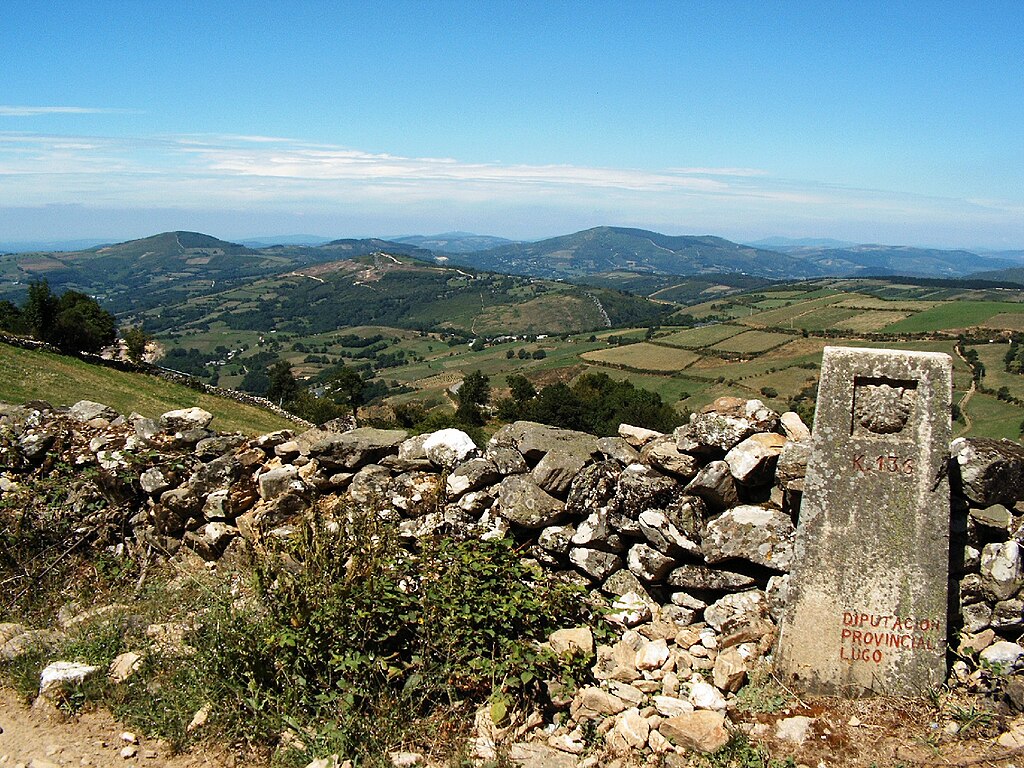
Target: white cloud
280, 175
7, 110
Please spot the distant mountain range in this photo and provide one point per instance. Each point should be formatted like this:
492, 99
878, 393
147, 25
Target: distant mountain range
172, 266
607, 249
454, 242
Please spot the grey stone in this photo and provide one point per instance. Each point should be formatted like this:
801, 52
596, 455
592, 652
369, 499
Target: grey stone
35, 445
1003, 656
533, 440
622, 583
727, 421
28, 641
648, 563
736, 611
752, 461
597, 532
873, 546
972, 588
594, 562
556, 538
471, 476
618, 449
755, 534
1001, 569
218, 474
87, 410
704, 578
372, 485
475, 502
416, 493
1007, 613
995, 516
509, 461
793, 426
449, 447
662, 453
976, 616
989, 471
412, 448
212, 447
716, 485
174, 510
640, 488
776, 593
271, 440
792, 464
659, 531
523, 503
277, 482
350, 450
592, 489
558, 469
154, 482
185, 419
218, 506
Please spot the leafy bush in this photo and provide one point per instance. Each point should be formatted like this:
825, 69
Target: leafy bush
357, 640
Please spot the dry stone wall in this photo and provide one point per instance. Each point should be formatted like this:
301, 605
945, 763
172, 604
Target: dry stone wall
668, 524
687, 537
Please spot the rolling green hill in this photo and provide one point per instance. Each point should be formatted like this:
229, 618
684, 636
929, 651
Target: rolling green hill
401, 292
61, 380
608, 249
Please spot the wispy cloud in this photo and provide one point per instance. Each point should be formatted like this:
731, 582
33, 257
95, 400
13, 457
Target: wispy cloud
275, 174
7, 110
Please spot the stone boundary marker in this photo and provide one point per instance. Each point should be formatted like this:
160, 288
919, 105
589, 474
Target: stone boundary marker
867, 599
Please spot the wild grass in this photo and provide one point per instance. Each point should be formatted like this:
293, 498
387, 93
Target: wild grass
60, 380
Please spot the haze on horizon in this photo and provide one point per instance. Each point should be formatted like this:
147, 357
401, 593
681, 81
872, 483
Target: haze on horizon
869, 122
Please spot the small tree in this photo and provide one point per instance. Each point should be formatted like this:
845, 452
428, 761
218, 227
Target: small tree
520, 386
40, 310
283, 387
474, 392
135, 341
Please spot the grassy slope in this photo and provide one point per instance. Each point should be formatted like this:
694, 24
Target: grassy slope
27, 375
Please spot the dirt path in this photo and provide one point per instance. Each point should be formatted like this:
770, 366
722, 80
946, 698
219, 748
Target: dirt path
33, 738
962, 405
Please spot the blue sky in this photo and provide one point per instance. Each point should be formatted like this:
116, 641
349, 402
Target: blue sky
895, 122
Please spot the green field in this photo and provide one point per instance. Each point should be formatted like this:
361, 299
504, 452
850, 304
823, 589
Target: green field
788, 317
956, 314
996, 375
696, 338
60, 380
994, 418
753, 342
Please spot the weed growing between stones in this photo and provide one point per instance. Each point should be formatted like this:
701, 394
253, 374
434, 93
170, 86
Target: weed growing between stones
740, 752
371, 638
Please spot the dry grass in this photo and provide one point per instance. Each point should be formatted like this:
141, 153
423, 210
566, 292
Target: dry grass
869, 321
643, 357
